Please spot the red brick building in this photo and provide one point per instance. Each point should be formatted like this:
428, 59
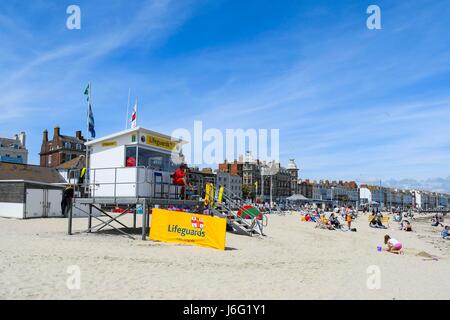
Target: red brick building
61, 148
233, 168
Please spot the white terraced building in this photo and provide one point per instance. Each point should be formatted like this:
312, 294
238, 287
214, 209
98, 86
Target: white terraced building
14, 150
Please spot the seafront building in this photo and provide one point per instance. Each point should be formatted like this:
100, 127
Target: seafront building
61, 148
383, 197
333, 193
230, 182
13, 150
263, 180
391, 198
430, 200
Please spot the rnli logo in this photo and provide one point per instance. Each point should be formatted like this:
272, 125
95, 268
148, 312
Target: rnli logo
197, 223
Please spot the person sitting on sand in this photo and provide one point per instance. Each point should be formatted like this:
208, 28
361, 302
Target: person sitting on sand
379, 213
445, 232
323, 223
436, 221
376, 223
398, 217
334, 221
406, 225
393, 245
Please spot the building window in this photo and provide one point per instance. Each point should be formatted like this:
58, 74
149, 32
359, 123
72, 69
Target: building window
79, 146
130, 156
155, 160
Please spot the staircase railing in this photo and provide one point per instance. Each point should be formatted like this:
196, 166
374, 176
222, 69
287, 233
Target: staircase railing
231, 203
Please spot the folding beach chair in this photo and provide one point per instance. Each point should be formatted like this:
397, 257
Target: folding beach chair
322, 223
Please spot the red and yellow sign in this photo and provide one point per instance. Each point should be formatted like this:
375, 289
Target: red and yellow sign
189, 228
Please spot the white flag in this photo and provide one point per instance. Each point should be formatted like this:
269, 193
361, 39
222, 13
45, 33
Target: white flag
134, 116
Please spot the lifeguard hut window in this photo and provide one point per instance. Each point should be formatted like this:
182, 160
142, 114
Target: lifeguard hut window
149, 158
130, 157
154, 160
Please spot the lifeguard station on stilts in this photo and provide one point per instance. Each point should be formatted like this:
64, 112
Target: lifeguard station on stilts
132, 170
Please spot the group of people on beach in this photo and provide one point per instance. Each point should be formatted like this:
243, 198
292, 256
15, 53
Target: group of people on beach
436, 221
331, 221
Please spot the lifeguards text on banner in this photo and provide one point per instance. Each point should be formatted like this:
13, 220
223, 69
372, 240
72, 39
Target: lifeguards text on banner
189, 228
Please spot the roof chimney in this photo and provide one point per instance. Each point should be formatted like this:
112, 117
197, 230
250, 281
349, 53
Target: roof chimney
45, 136
22, 138
78, 135
55, 132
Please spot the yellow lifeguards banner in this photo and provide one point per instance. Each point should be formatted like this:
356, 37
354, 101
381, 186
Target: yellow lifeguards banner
189, 228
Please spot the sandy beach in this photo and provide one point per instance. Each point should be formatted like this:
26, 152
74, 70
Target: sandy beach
294, 261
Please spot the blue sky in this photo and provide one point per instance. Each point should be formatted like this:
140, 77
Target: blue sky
350, 103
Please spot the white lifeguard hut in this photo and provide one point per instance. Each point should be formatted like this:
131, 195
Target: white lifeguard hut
134, 163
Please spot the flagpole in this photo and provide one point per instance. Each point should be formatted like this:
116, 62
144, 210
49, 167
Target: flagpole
128, 107
87, 138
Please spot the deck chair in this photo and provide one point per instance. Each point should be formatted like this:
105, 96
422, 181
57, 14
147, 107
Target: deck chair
385, 221
322, 223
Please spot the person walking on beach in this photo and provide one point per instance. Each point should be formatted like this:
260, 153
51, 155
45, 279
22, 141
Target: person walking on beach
348, 218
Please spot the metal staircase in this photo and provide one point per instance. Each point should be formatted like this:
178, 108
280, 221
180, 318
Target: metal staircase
229, 207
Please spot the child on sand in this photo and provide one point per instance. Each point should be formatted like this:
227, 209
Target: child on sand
393, 245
